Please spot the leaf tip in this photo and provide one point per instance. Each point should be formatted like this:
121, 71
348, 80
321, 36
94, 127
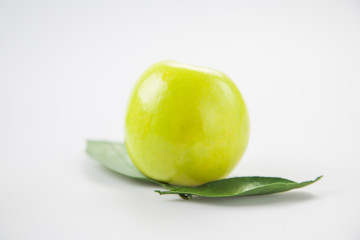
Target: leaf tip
318, 178
88, 144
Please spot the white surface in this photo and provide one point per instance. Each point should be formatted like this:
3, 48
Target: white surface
66, 71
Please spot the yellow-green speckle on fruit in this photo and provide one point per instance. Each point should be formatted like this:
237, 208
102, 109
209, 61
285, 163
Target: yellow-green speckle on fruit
185, 125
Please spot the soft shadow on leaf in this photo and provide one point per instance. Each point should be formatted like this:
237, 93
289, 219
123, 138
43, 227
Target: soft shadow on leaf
283, 199
239, 186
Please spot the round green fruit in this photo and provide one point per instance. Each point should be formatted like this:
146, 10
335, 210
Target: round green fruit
185, 125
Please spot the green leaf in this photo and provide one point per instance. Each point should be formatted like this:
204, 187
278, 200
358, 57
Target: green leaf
115, 157
238, 186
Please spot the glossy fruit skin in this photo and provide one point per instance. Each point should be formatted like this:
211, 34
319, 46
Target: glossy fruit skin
185, 125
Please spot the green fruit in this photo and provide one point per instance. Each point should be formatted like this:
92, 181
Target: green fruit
185, 125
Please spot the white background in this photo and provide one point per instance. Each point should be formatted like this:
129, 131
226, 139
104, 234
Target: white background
66, 72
